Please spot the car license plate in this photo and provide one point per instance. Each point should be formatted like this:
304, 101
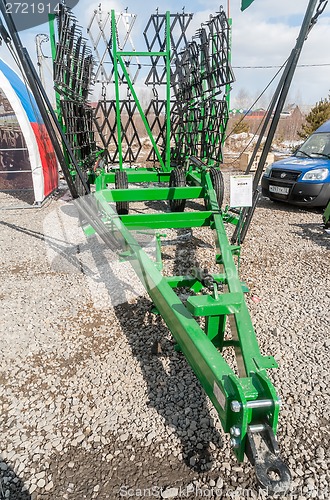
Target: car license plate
278, 189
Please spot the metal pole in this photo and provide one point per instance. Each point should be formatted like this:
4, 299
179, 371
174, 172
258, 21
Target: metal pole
291, 67
281, 91
40, 56
168, 92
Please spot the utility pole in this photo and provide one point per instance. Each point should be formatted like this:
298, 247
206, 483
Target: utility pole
39, 39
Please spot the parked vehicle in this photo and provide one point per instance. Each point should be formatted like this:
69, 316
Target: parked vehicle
304, 178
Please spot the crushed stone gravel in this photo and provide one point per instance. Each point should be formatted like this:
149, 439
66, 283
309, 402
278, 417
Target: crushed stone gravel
88, 410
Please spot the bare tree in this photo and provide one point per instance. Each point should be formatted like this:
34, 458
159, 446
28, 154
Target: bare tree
243, 99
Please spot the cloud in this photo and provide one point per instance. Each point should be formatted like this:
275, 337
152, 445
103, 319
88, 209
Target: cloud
263, 35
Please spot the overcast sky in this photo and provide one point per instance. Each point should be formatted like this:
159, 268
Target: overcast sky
263, 35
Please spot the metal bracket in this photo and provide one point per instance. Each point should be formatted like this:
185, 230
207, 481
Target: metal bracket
263, 452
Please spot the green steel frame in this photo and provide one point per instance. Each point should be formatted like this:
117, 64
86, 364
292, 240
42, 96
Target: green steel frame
201, 348
245, 400
119, 61
244, 397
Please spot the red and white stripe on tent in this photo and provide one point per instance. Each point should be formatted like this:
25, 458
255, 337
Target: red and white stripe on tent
42, 159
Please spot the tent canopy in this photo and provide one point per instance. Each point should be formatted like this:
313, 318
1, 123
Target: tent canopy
27, 157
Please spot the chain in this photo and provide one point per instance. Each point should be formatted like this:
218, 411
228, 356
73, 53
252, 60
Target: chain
320, 9
154, 91
104, 91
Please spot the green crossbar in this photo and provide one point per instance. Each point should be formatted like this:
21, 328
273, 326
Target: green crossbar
134, 176
154, 194
206, 305
167, 220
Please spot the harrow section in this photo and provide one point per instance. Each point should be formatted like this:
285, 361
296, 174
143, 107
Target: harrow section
186, 130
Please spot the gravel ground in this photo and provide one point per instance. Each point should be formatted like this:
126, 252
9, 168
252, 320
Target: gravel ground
89, 411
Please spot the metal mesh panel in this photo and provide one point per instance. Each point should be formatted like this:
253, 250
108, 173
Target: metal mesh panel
200, 81
105, 122
73, 67
200, 78
100, 34
155, 38
106, 125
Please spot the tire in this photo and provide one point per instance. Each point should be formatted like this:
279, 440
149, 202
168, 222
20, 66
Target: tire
218, 185
177, 179
79, 185
121, 182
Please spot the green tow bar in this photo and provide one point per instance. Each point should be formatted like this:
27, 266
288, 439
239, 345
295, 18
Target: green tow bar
246, 402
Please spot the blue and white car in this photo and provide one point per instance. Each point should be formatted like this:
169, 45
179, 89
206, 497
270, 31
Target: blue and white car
304, 178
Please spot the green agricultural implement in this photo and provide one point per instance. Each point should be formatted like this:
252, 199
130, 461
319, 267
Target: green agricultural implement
186, 130
213, 317
247, 403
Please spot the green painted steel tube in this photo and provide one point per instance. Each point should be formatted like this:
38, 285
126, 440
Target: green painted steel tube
154, 194
143, 117
167, 220
139, 175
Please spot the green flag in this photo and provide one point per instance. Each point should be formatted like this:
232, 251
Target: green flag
246, 4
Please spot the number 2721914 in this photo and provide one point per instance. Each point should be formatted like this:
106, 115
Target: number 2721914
31, 8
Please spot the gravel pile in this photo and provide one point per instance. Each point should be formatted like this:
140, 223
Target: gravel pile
87, 408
